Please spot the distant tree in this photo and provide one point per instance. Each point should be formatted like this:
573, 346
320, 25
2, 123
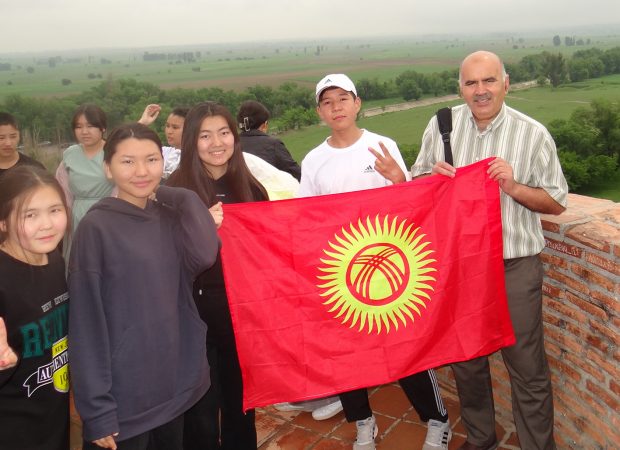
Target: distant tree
30, 69
371, 89
557, 41
555, 68
578, 70
533, 65
410, 90
611, 60
65, 81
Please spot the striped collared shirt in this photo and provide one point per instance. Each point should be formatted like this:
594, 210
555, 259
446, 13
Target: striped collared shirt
525, 144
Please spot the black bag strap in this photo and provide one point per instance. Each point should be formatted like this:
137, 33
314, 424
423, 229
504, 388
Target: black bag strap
444, 120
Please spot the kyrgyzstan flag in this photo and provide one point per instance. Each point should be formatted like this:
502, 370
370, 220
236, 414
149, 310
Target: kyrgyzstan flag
333, 293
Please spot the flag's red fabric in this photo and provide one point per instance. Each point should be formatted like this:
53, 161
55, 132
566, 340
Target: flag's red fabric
338, 292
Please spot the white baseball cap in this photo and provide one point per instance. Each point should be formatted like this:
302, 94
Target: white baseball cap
335, 80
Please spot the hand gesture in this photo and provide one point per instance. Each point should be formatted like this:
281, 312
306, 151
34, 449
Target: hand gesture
218, 214
443, 168
386, 165
8, 358
500, 171
150, 114
107, 442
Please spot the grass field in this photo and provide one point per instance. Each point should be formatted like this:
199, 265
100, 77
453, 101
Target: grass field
237, 66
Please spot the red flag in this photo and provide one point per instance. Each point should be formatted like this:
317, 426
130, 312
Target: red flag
333, 293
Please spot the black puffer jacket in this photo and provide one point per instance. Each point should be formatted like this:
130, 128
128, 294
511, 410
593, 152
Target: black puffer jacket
271, 150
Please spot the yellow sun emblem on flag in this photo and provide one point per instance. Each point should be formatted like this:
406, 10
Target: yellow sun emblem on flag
377, 274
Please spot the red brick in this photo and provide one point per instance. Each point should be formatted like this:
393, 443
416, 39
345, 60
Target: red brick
568, 281
611, 215
585, 305
605, 396
552, 291
594, 234
599, 433
610, 304
550, 226
585, 335
614, 387
553, 260
568, 311
593, 277
585, 366
604, 263
553, 351
563, 247
617, 251
609, 367
574, 404
565, 434
565, 369
567, 343
604, 331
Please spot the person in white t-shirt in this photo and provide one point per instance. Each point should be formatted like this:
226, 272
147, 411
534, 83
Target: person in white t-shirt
353, 159
174, 132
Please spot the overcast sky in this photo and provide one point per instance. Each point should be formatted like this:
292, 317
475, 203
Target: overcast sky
41, 25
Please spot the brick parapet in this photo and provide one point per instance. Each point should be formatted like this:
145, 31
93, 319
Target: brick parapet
581, 311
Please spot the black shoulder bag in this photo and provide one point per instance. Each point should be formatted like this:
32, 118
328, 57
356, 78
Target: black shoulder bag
444, 120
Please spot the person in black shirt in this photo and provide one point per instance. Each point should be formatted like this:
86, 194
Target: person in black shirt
34, 370
9, 139
213, 166
253, 120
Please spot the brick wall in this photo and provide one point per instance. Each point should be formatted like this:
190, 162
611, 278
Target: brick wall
581, 307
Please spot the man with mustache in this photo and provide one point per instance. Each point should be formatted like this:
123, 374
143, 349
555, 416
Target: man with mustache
528, 172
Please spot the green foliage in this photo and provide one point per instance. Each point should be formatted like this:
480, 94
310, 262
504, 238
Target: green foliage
588, 143
409, 153
582, 173
575, 170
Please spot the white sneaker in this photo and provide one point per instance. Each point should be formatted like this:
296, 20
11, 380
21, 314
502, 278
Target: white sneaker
438, 435
367, 431
298, 406
328, 411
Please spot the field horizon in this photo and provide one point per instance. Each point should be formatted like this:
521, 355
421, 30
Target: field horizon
237, 66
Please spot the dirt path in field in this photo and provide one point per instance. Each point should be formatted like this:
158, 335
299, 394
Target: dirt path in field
430, 101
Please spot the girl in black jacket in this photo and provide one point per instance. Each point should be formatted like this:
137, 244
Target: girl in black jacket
212, 165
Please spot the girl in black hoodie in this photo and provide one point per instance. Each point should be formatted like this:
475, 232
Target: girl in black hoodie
135, 332
212, 165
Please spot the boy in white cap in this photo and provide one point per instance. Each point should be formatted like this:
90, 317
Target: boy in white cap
353, 159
